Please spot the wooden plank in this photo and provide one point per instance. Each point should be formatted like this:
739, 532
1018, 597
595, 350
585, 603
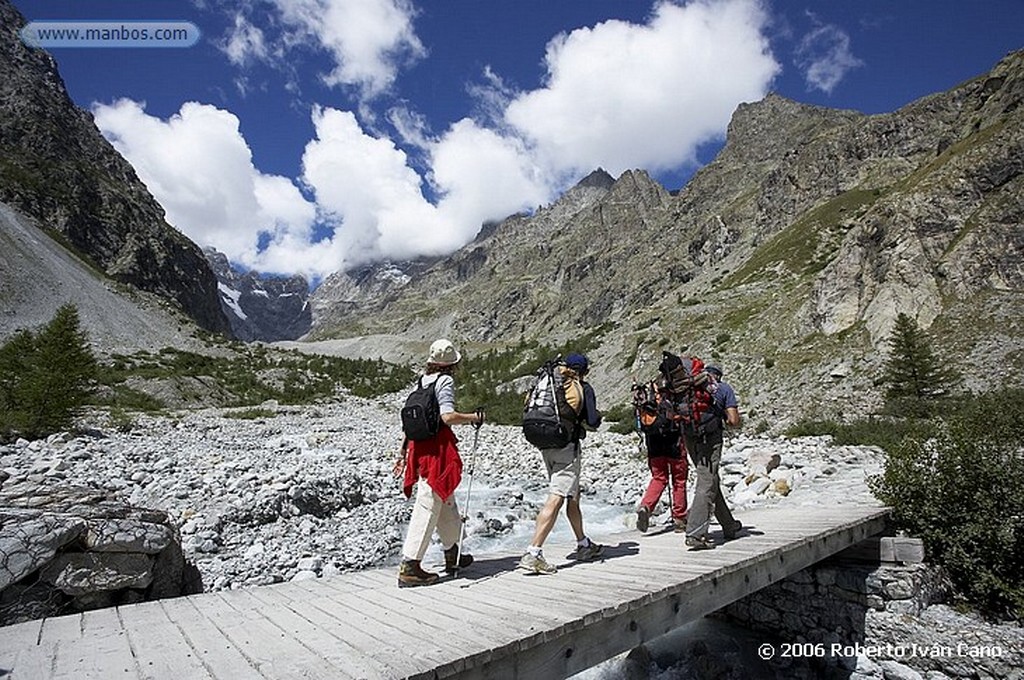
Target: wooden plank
424, 621
218, 654
21, 655
322, 615
101, 652
335, 649
61, 628
606, 582
31, 662
18, 636
371, 579
369, 617
546, 592
505, 613
264, 644
160, 648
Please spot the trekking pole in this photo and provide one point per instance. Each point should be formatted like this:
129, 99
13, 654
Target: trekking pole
469, 487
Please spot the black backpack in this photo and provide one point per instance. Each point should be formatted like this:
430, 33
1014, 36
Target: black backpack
421, 415
548, 420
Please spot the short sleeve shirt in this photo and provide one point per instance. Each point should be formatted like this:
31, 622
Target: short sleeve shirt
725, 396
444, 389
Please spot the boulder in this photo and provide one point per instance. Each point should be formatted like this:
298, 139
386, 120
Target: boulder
66, 548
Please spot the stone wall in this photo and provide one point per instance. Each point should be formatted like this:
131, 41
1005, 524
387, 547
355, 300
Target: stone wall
848, 618
67, 548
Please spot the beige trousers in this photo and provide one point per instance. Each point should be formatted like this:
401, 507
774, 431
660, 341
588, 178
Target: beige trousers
428, 513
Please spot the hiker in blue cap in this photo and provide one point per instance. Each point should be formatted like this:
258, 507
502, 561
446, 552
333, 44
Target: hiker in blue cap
563, 466
705, 449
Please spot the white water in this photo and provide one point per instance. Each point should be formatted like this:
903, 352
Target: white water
490, 502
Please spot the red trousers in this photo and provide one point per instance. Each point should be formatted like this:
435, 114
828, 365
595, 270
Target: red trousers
665, 470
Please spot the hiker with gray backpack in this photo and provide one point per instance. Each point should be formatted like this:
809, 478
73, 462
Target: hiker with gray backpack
559, 409
430, 456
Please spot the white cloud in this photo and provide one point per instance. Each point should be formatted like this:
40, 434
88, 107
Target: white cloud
244, 42
368, 190
368, 40
483, 176
622, 95
825, 57
617, 95
199, 168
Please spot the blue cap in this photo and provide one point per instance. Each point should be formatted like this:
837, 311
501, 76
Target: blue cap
577, 362
711, 368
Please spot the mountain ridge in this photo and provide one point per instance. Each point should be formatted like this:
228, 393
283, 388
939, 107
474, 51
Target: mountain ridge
788, 256
57, 168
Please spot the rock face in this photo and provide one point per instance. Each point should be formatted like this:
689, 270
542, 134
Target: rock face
258, 307
38, 275
66, 548
56, 167
790, 254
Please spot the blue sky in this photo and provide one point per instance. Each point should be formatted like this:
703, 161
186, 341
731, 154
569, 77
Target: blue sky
308, 136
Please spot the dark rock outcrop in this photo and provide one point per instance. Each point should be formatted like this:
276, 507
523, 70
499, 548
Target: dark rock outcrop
65, 549
55, 166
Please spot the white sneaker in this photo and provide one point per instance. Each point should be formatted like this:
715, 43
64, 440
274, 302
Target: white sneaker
536, 564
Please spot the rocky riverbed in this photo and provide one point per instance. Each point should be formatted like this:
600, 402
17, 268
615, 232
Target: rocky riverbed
280, 493
277, 493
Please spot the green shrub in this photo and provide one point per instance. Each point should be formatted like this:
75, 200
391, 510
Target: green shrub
962, 493
297, 378
885, 433
251, 414
483, 379
622, 418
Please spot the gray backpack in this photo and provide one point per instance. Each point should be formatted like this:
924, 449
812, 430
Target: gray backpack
548, 420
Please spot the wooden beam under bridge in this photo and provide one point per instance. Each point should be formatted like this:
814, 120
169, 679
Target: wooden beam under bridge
492, 622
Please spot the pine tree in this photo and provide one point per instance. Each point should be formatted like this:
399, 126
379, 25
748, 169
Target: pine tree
916, 378
16, 361
45, 378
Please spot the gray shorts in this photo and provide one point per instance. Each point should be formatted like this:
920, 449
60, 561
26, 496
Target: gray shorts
563, 467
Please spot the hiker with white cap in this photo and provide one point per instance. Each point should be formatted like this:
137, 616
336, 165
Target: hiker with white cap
435, 463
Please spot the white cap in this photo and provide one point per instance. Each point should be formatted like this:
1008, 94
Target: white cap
443, 353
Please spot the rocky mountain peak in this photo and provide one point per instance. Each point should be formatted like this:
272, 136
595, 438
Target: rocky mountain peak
787, 256
598, 179
261, 307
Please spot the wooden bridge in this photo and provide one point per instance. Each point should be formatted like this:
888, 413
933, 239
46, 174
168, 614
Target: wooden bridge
491, 622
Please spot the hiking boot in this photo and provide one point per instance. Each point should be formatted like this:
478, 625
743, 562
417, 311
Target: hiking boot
411, 574
589, 552
465, 559
536, 564
679, 526
732, 530
699, 542
643, 519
